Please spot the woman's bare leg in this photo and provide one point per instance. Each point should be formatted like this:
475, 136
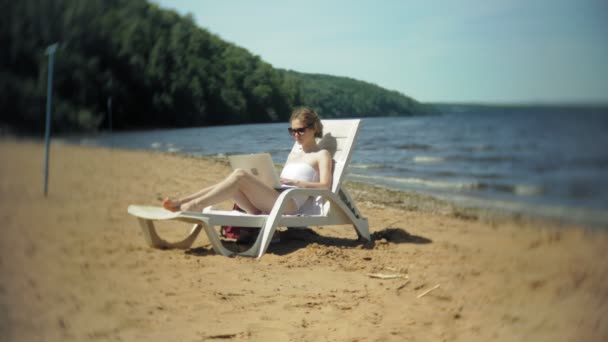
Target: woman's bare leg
244, 203
262, 196
174, 205
239, 185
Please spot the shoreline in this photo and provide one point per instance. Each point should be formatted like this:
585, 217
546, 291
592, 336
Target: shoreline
466, 206
78, 263
409, 200
414, 201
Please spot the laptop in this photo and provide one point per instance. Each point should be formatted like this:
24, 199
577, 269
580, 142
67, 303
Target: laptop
259, 165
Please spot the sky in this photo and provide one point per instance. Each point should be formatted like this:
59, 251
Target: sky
483, 51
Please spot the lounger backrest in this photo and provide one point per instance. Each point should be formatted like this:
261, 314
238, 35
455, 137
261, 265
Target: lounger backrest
338, 138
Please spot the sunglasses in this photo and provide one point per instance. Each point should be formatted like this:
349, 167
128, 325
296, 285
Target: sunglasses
298, 131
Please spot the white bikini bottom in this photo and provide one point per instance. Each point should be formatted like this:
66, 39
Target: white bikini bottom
308, 205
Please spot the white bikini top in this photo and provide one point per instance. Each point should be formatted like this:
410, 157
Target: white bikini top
306, 173
300, 171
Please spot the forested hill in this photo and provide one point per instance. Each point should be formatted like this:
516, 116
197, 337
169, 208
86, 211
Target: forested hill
158, 68
346, 97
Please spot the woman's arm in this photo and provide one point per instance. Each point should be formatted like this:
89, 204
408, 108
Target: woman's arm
325, 165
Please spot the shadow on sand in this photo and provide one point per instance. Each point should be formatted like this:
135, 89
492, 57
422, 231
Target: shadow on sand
294, 239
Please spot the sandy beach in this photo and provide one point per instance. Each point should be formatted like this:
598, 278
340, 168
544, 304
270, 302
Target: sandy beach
74, 265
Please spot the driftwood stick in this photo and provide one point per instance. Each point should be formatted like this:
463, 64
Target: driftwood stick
384, 276
403, 285
427, 291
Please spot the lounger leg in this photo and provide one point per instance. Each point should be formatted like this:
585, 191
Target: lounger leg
216, 242
360, 223
265, 237
362, 228
155, 241
256, 250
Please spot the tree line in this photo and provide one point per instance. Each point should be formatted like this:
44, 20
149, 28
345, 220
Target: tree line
159, 69
344, 97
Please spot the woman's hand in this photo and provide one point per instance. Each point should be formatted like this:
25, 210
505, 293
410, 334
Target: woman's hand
292, 182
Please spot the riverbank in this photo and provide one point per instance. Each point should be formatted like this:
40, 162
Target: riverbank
74, 265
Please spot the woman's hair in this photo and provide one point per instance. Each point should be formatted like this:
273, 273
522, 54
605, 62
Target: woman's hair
309, 118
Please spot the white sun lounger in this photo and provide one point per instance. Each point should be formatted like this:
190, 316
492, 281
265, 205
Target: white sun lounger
338, 208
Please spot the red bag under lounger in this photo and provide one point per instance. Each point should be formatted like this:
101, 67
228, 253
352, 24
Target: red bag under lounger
240, 234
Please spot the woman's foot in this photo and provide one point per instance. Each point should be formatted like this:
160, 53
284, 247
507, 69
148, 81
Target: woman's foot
171, 205
191, 206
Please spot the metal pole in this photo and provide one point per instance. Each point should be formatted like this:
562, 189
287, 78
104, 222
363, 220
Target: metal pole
47, 133
110, 113
110, 86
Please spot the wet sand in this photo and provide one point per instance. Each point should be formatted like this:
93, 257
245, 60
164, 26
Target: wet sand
74, 265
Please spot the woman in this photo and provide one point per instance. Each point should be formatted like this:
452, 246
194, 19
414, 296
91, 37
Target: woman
308, 167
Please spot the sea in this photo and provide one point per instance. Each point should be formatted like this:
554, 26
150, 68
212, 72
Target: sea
548, 162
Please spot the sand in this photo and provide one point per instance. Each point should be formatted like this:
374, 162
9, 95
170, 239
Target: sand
74, 266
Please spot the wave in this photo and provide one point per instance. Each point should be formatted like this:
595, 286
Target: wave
518, 189
89, 142
490, 159
477, 148
421, 159
169, 147
454, 174
444, 173
414, 147
415, 181
528, 190
484, 147
368, 166
481, 159
427, 159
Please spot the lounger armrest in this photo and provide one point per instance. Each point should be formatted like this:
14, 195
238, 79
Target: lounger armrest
293, 192
305, 192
